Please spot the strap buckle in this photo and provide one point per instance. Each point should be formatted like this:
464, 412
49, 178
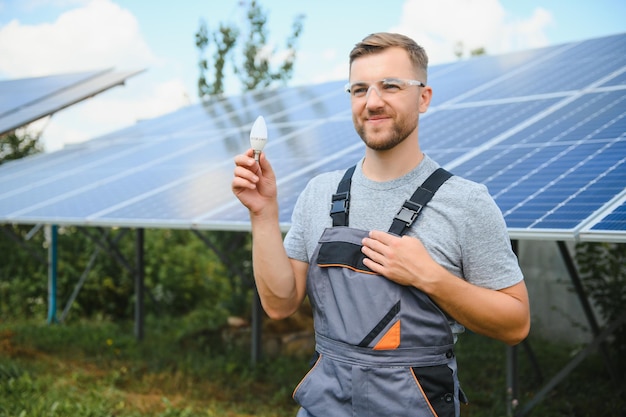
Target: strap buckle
409, 212
340, 203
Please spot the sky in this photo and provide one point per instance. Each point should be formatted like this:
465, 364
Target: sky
46, 37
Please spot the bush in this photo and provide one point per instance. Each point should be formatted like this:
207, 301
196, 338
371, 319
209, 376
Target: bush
603, 275
182, 273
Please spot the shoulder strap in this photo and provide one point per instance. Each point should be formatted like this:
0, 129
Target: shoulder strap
408, 213
412, 207
340, 204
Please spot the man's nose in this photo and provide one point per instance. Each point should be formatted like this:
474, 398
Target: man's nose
373, 100
375, 88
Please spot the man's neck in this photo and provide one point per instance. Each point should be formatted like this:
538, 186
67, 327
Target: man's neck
388, 165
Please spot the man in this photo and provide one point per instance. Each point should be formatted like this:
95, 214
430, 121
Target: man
388, 304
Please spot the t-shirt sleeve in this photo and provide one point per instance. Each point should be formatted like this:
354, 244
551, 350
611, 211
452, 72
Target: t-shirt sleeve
311, 216
488, 257
295, 242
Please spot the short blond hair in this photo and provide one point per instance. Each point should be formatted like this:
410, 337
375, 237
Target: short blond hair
377, 42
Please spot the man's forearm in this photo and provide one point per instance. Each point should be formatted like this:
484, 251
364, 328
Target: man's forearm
273, 272
502, 315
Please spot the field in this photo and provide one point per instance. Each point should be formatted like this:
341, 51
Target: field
97, 368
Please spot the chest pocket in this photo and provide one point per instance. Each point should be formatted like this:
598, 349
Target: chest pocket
343, 255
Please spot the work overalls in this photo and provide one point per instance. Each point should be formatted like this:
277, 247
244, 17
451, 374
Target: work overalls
383, 350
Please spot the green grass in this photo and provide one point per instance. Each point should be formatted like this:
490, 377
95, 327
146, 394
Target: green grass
98, 369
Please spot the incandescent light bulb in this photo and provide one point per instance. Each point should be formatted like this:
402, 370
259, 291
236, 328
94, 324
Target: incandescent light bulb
258, 137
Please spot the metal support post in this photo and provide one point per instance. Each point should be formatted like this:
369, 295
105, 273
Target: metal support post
257, 314
586, 305
52, 273
512, 390
139, 284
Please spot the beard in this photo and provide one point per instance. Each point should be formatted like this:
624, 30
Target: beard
383, 139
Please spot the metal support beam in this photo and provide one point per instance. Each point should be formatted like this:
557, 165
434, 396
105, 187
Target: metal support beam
571, 365
512, 393
139, 284
257, 314
52, 273
92, 260
6, 229
512, 372
79, 284
586, 305
598, 341
257, 309
109, 247
512, 390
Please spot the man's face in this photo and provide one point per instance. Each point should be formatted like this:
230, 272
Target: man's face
386, 113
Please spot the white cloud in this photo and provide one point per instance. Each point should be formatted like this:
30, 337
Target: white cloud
329, 54
309, 63
440, 25
58, 134
97, 35
528, 33
337, 71
162, 98
113, 110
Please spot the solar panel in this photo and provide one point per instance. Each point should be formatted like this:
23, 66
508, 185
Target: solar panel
543, 129
572, 67
15, 94
560, 169
25, 100
608, 227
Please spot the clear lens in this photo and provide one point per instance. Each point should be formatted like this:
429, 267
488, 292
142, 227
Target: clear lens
385, 87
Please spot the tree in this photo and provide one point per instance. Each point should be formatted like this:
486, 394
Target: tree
14, 288
602, 268
15, 145
459, 50
225, 39
254, 69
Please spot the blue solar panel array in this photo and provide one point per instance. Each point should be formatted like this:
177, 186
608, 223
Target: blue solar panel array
544, 129
25, 100
21, 92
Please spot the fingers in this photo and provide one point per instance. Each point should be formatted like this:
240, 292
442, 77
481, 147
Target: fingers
374, 246
245, 160
244, 174
250, 174
244, 178
382, 247
381, 236
378, 241
372, 255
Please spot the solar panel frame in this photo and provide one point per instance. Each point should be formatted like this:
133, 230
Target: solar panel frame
551, 153
18, 93
56, 93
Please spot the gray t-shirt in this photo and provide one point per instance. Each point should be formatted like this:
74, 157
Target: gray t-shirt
461, 227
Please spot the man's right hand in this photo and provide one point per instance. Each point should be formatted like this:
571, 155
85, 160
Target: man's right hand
280, 281
254, 183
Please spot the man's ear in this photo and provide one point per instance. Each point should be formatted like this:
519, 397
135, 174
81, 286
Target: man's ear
424, 99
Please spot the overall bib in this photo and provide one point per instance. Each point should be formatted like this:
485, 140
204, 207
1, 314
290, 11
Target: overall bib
383, 350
